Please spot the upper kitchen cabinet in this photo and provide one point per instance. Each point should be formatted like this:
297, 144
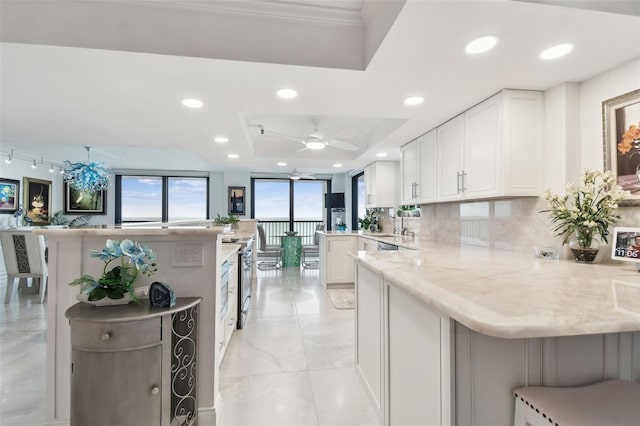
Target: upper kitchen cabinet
493, 150
418, 170
380, 181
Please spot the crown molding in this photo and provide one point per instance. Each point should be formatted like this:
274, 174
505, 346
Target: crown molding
285, 11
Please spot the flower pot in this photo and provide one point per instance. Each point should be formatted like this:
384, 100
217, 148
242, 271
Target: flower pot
105, 301
584, 246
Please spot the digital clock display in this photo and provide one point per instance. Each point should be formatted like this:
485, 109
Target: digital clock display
626, 244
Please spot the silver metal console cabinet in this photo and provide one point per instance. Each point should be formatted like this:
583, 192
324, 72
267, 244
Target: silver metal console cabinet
134, 364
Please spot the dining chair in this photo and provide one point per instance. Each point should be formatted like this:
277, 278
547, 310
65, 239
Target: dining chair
312, 250
270, 251
24, 257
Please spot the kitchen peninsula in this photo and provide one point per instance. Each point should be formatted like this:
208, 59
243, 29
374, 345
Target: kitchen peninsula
445, 333
188, 259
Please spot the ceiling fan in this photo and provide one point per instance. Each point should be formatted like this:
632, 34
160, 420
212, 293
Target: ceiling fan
313, 141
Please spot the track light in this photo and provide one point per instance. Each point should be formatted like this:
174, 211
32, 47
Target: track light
34, 165
10, 158
51, 170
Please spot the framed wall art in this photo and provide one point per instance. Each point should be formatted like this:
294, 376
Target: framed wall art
84, 202
9, 195
621, 122
36, 201
236, 200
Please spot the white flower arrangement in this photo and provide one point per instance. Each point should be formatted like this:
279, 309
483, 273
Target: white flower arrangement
586, 211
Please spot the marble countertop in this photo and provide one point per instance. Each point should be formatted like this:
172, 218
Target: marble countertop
514, 295
237, 236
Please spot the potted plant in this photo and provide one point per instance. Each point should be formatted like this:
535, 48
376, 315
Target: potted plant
116, 285
227, 220
585, 213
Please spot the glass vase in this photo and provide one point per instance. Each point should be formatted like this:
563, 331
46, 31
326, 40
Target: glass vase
584, 246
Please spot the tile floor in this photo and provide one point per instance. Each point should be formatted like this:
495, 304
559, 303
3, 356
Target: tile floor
292, 365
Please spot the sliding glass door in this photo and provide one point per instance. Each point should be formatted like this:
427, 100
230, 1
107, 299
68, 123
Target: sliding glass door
283, 205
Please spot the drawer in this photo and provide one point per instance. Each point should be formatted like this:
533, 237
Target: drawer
115, 335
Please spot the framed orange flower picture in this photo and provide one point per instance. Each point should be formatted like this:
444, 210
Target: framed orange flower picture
621, 122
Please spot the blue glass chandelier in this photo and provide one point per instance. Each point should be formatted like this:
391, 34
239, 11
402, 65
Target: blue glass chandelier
88, 177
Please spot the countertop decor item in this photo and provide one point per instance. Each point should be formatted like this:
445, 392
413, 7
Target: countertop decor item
585, 213
118, 282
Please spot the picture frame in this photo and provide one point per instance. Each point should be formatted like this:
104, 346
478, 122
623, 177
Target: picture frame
84, 202
9, 196
621, 134
236, 200
36, 201
626, 244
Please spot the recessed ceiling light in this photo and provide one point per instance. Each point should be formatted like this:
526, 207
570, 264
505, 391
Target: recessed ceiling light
337, 165
315, 145
221, 139
233, 155
287, 94
481, 44
414, 100
192, 103
381, 154
556, 51
282, 164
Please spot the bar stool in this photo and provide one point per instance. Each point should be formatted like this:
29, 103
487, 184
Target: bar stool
610, 403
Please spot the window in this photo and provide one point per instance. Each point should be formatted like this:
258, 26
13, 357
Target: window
358, 209
161, 198
283, 205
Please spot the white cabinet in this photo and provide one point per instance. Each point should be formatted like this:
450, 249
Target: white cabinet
228, 317
449, 159
336, 265
370, 333
418, 362
380, 180
418, 170
492, 150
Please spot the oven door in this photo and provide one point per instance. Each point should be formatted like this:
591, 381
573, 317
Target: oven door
244, 284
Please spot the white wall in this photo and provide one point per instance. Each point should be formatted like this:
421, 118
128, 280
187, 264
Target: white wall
593, 92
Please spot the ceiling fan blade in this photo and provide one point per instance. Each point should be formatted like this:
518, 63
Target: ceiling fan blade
337, 143
283, 136
303, 149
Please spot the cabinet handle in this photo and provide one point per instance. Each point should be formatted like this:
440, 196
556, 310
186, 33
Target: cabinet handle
464, 181
105, 336
416, 190
155, 390
458, 176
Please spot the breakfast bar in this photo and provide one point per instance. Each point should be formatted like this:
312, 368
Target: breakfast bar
445, 333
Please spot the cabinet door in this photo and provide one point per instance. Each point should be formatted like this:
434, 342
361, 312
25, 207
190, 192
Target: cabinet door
116, 388
369, 332
408, 172
415, 366
339, 263
482, 149
449, 154
426, 179
369, 185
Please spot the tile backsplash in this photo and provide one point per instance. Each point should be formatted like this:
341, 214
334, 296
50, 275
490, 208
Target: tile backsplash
514, 224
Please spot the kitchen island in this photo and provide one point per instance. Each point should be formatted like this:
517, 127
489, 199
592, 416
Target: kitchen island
444, 333
188, 259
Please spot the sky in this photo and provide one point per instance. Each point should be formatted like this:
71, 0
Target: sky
142, 198
272, 199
